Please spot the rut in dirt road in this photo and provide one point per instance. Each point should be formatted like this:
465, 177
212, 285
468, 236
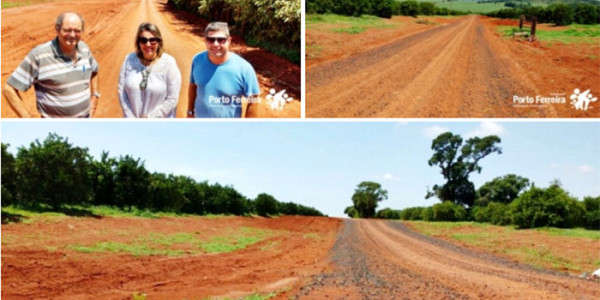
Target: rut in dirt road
454, 70
385, 260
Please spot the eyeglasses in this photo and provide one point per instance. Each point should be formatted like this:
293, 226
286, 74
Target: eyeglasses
212, 40
143, 40
144, 82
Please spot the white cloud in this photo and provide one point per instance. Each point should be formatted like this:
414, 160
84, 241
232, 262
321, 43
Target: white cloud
486, 128
433, 131
585, 169
554, 165
388, 176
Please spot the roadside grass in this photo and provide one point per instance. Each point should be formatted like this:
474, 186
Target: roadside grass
9, 4
313, 51
345, 24
576, 33
571, 232
13, 214
545, 248
183, 243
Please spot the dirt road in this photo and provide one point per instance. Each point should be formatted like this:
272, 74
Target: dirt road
110, 31
460, 69
385, 260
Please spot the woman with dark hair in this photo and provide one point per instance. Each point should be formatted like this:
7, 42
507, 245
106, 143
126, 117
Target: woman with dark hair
149, 82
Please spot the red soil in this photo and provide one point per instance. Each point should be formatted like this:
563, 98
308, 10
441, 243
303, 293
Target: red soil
460, 69
110, 31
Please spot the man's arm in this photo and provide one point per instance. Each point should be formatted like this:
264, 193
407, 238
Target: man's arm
15, 101
248, 107
94, 89
191, 100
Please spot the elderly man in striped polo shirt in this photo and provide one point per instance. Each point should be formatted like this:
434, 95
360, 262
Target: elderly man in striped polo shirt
63, 72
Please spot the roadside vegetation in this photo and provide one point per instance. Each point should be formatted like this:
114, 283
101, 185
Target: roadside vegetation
560, 13
379, 8
549, 251
271, 24
182, 243
575, 33
56, 176
346, 24
506, 200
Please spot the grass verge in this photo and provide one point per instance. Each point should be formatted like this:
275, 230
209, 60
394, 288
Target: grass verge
585, 34
565, 250
345, 24
180, 244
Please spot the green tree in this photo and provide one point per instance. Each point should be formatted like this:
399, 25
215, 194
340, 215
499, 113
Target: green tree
457, 161
412, 213
496, 213
552, 207
409, 8
501, 189
103, 180
166, 193
449, 211
352, 212
382, 8
427, 8
266, 205
8, 177
54, 173
132, 182
592, 212
562, 14
388, 213
585, 14
366, 196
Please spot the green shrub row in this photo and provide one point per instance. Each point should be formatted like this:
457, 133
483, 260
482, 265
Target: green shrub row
380, 8
559, 13
536, 207
54, 174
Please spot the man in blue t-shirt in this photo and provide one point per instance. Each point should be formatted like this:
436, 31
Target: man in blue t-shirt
220, 81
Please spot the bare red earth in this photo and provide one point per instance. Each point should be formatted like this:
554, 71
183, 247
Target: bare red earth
37, 264
110, 31
459, 69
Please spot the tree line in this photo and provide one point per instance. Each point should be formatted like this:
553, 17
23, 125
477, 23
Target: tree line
505, 200
380, 8
559, 13
55, 173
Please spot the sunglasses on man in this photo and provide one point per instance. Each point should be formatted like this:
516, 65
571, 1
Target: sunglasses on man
143, 40
212, 40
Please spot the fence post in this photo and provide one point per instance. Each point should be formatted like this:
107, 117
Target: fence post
533, 21
521, 19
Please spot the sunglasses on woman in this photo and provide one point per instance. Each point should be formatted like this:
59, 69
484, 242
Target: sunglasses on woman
143, 40
212, 40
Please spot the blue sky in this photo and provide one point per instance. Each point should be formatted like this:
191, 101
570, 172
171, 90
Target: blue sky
319, 164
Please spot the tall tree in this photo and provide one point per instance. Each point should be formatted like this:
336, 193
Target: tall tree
132, 182
8, 177
457, 160
501, 189
54, 173
103, 180
366, 196
266, 205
